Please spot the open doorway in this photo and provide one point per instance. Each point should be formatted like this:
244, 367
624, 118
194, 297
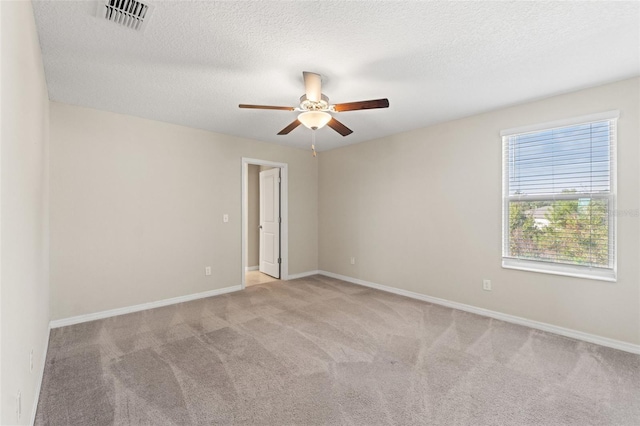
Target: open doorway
264, 225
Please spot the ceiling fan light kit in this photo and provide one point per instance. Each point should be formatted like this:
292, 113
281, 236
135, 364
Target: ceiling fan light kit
314, 120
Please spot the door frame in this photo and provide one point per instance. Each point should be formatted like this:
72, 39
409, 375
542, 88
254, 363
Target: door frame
284, 214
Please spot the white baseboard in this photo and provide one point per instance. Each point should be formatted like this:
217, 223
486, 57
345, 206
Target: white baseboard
43, 363
251, 268
567, 332
135, 308
302, 275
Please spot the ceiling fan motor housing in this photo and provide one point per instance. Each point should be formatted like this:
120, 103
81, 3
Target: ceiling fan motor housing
321, 105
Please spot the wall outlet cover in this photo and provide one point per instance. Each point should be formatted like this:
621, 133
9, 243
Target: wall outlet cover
486, 285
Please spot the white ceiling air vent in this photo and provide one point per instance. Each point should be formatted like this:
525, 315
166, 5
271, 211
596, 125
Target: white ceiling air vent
129, 13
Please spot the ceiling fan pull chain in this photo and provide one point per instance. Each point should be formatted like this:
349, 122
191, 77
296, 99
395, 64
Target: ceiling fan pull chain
313, 142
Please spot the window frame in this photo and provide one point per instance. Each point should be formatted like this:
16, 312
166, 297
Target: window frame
603, 274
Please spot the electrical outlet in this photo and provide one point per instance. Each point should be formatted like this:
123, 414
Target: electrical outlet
353, 260
486, 285
225, 218
207, 270
18, 406
31, 361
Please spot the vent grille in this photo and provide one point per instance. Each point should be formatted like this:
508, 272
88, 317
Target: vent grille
128, 13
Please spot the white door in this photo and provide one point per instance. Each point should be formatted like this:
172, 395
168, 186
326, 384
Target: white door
270, 222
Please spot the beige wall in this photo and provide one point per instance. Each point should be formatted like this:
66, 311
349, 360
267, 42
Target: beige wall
421, 211
24, 286
253, 204
137, 205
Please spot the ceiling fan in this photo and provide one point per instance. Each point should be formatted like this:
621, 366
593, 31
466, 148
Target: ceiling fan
315, 108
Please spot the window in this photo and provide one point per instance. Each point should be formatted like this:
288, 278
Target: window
559, 197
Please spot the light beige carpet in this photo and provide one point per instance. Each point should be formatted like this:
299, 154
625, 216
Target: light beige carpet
322, 351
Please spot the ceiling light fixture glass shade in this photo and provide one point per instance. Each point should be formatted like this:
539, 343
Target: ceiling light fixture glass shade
314, 119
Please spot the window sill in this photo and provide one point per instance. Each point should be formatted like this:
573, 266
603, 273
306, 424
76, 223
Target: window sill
556, 269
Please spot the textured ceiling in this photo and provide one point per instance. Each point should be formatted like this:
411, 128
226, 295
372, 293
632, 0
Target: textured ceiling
435, 61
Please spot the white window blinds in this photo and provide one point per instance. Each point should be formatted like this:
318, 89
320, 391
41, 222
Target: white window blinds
559, 192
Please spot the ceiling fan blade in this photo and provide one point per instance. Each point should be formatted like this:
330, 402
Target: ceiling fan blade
353, 106
339, 127
312, 86
282, 108
289, 128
